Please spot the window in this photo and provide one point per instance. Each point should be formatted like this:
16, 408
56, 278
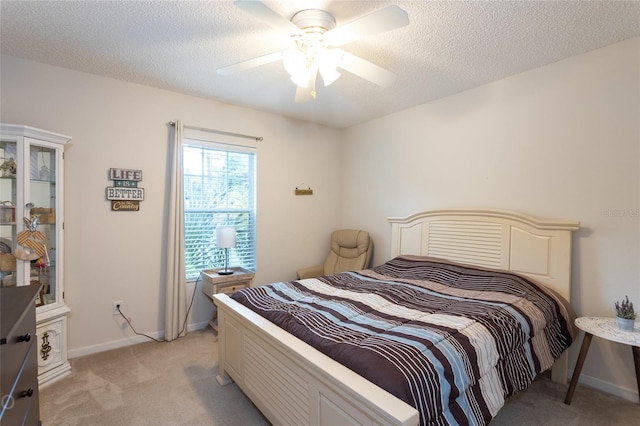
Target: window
219, 189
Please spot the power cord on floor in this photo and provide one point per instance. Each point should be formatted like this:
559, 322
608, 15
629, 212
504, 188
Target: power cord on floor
134, 330
184, 325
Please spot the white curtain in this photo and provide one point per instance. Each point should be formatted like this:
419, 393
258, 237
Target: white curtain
176, 294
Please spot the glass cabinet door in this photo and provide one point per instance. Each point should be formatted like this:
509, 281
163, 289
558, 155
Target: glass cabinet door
8, 202
40, 209
29, 203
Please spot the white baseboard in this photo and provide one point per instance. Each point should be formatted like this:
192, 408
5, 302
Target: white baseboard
625, 393
127, 341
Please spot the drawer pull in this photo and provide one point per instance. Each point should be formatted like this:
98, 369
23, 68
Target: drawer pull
25, 338
27, 393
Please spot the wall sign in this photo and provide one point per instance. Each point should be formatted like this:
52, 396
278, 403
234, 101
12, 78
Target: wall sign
125, 194
115, 193
126, 183
124, 174
129, 206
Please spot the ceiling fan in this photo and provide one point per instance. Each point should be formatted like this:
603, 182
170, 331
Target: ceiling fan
315, 41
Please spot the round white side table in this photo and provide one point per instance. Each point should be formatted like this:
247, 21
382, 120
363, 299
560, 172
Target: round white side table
605, 328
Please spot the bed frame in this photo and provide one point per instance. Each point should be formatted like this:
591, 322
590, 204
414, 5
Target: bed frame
293, 383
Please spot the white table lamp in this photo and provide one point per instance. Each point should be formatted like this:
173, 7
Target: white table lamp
226, 239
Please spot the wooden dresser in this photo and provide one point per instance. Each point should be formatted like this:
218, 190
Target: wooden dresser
18, 356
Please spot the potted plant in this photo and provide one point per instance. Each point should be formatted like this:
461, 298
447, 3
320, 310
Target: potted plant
626, 315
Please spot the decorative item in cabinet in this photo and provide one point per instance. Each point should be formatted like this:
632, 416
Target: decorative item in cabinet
8, 279
32, 179
8, 167
7, 213
45, 215
7, 262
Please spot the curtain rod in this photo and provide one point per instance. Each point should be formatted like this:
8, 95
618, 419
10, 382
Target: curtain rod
220, 132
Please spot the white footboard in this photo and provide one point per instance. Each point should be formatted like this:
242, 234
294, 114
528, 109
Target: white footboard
293, 383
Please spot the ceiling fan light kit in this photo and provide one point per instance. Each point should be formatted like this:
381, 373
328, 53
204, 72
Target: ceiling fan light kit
316, 38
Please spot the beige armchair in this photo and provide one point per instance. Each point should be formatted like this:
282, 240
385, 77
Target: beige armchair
350, 251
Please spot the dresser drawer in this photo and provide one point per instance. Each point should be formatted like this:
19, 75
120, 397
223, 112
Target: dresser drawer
23, 404
15, 350
232, 287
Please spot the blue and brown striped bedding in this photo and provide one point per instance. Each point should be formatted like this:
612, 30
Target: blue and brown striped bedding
454, 341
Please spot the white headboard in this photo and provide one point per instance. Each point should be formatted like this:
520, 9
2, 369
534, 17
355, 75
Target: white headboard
540, 249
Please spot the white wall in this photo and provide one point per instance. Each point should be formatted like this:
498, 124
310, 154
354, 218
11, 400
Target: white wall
119, 255
558, 142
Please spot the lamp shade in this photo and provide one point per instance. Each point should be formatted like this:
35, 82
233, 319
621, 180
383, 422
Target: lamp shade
225, 236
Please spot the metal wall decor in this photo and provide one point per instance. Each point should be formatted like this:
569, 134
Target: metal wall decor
303, 191
125, 195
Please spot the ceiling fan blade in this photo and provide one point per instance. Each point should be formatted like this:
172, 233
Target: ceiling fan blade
268, 16
367, 70
250, 63
383, 20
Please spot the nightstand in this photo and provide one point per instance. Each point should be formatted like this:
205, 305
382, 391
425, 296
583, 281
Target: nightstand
213, 283
605, 328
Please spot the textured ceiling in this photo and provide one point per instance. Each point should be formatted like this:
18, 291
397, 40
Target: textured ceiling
448, 47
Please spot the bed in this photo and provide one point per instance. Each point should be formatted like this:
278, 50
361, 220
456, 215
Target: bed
292, 382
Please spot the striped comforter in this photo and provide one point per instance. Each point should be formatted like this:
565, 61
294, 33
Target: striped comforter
451, 340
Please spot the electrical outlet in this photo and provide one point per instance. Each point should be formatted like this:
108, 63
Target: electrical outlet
117, 303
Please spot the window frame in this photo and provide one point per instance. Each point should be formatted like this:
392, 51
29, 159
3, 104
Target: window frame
245, 239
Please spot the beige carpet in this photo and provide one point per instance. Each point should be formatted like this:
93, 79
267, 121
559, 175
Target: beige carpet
174, 384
